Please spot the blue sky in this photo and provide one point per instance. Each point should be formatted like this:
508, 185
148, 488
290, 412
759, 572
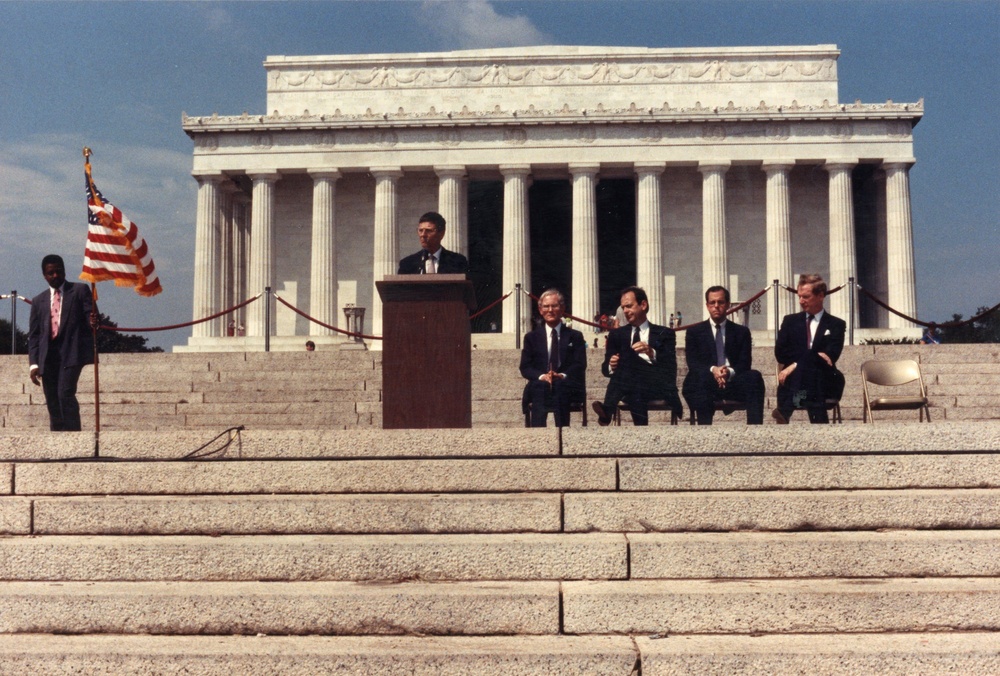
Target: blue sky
116, 76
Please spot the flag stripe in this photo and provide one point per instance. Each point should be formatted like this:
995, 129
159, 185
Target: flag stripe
115, 250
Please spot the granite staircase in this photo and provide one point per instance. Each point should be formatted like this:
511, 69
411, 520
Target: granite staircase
668, 550
342, 389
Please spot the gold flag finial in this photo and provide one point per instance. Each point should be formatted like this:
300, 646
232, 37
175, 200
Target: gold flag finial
87, 153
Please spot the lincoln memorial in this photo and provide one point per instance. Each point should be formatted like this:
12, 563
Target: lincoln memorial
586, 168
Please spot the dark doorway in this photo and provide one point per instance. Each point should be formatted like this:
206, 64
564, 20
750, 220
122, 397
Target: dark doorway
486, 251
615, 239
550, 209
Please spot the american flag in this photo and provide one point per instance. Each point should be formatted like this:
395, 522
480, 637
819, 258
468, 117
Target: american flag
115, 250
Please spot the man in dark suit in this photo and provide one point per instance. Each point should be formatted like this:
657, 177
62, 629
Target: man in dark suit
808, 346
432, 258
719, 358
554, 361
60, 343
641, 361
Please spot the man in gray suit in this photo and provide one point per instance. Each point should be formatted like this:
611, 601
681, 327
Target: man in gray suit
60, 343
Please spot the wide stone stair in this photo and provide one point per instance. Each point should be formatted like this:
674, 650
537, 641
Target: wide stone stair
669, 550
342, 389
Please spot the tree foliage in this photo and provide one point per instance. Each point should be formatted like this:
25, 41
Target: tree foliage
22, 339
115, 341
986, 329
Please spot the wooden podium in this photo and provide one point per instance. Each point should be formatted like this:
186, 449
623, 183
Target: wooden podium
426, 351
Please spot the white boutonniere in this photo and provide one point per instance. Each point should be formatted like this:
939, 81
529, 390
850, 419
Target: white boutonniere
827, 332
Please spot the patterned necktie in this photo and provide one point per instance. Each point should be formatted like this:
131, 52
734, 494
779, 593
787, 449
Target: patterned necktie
554, 352
720, 346
429, 264
56, 310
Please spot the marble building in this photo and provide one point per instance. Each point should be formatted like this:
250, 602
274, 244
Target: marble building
587, 168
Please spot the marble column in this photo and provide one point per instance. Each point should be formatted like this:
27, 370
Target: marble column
586, 281
899, 242
241, 254
261, 273
714, 264
516, 246
649, 238
206, 253
843, 265
323, 264
228, 190
450, 196
779, 239
386, 260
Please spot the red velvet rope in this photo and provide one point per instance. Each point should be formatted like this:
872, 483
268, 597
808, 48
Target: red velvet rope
181, 326
573, 317
324, 325
491, 305
6, 296
829, 292
948, 325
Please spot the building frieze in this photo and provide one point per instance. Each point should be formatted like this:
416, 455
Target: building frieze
520, 117
510, 75
648, 132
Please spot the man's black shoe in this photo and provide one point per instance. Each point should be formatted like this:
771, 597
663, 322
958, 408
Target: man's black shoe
603, 417
779, 417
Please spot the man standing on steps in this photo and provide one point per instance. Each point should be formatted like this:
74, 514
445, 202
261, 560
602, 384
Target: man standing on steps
60, 343
719, 355
554, 361
432, 257
641, 361
808, 346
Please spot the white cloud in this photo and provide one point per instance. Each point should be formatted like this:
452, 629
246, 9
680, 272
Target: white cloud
475, 24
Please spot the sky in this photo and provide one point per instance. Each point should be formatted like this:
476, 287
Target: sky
117, 76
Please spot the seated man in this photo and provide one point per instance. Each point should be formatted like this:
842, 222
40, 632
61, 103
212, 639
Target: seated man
432, 257
808, 346
641, 361
554, 361
719, 355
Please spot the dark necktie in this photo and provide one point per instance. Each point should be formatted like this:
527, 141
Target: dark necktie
720, 346
635, 335
554, 352
809, 331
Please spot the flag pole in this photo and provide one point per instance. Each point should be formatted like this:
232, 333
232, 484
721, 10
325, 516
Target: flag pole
93, 329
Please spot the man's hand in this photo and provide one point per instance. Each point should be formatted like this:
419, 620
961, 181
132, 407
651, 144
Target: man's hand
95, 321
551, 376
825, 357
787, 371
613, 362
721, 374
644, 348
34, 375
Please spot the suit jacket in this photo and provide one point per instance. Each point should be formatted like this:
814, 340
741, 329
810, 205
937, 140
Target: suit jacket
661, 375
449, 263
572, 355
76, 347
791, 345
699, 346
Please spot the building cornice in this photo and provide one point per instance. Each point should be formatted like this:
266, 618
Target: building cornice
792, 112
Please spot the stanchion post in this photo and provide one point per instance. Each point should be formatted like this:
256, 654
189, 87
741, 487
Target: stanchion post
777, 306
517, 315
850, 309
13, 322
267, 319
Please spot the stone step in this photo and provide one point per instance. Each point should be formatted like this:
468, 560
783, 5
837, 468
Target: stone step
782, 510
317, 476
284, 608
781, 606
496, 556
866, 554
932, 653
320, 514
48, 655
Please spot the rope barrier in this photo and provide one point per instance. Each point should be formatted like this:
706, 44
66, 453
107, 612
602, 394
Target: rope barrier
491, 305
573, 317
6, 296
323, 324
829, 292
181, 326
932, 325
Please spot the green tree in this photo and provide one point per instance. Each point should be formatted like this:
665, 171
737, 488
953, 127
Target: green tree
986, 329
115, 341
22, 339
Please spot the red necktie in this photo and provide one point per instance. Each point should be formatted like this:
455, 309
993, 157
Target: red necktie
56, 309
